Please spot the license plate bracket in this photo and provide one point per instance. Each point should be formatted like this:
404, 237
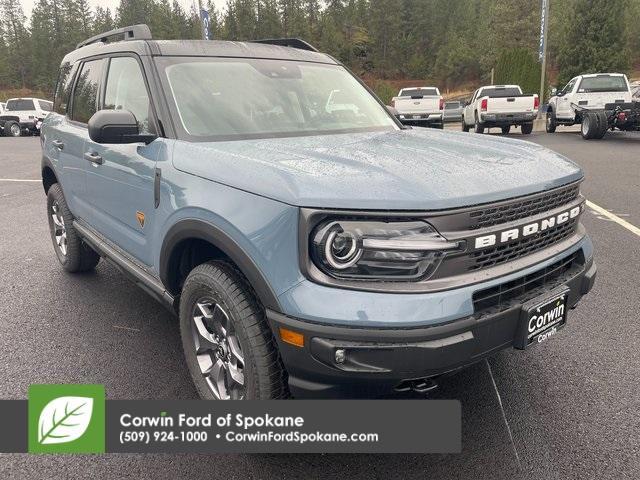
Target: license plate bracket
542, 317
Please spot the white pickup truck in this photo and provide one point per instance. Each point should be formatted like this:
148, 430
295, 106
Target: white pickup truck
419, 106
584, 93
500, 106
23, 116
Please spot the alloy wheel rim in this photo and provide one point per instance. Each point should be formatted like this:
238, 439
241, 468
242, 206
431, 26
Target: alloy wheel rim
15, 129
218, 352
59, 228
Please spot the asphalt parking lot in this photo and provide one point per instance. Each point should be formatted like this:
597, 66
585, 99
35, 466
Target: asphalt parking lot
566, 409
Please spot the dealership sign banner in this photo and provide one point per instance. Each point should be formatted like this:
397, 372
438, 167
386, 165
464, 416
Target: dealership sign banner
78, 419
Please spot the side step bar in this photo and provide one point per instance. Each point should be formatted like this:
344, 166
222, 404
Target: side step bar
148, 283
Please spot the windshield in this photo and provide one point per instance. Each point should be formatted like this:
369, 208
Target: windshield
226, 99
20, 105
500, 92
451, 105
418, 92
603, 83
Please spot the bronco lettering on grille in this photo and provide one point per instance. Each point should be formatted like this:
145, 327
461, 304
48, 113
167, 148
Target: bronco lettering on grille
527, 230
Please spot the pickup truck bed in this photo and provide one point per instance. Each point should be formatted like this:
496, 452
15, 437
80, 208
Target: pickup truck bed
501, 106
420, 106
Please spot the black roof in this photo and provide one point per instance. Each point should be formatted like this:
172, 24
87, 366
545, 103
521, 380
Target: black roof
137, 39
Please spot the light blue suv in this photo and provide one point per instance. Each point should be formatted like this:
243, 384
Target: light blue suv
310, 248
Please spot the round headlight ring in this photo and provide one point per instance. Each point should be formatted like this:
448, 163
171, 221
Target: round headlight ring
341, 262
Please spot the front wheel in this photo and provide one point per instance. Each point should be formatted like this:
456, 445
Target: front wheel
228, 345
465, 127
506, 130
12, 130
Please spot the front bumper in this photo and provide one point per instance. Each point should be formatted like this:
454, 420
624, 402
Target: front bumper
379, 360
504, 119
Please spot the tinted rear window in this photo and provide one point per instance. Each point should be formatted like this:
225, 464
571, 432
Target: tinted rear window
418, 92
21, 104
451, 105
603, 83
499, 92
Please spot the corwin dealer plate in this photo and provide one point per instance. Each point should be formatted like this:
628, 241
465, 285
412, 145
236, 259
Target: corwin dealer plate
540, 320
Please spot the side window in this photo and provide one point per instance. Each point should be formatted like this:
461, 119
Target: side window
85, 93
63, 88
126, 90
45, 106
569, 86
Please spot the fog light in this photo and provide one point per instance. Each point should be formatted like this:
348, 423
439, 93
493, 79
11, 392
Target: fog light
340, 355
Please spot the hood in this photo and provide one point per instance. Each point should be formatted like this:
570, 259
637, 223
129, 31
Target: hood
418, 169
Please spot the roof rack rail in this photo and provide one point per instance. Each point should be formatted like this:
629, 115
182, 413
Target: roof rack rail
132, 32
288, 42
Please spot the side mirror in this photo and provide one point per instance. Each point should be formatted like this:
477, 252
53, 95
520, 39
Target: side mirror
392, 110
116, 127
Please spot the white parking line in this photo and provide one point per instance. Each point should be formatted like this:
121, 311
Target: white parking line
614, 218
17, 180
504, 415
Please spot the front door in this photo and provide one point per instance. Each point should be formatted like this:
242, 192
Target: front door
120, 178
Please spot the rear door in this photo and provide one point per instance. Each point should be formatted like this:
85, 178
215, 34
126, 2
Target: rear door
66, 130
120, 178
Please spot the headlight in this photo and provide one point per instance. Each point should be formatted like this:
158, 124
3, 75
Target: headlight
378, 250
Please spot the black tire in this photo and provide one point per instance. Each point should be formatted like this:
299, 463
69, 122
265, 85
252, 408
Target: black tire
12, 129
439, 126
506, 130
478, 127
589, 127
74, 255
526, 128
219, 289
603, 124
465, 127
551, 123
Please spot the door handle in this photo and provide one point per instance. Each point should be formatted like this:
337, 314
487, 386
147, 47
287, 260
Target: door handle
93, 158
58, 144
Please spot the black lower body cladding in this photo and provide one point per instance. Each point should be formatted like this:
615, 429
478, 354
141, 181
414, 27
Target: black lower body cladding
338, 361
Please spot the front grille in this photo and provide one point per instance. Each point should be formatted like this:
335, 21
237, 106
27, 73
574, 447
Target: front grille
506, 295
491, 256
495, 215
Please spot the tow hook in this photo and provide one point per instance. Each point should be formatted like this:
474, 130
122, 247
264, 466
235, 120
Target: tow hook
420, 385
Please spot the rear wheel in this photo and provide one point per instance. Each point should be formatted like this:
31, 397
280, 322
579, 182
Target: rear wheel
228, 345
551, 122
603, 124
478, 127
506, 130
526, 128
589, 128
74, 255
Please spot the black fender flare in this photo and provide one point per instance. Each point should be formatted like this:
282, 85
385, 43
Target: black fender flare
202, 230
46, 163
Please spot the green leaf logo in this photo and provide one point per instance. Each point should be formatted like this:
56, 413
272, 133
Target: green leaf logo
64, 419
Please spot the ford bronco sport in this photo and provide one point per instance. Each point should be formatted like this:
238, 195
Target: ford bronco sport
308, 252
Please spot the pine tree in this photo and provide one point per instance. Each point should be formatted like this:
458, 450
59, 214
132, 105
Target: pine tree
594, 40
